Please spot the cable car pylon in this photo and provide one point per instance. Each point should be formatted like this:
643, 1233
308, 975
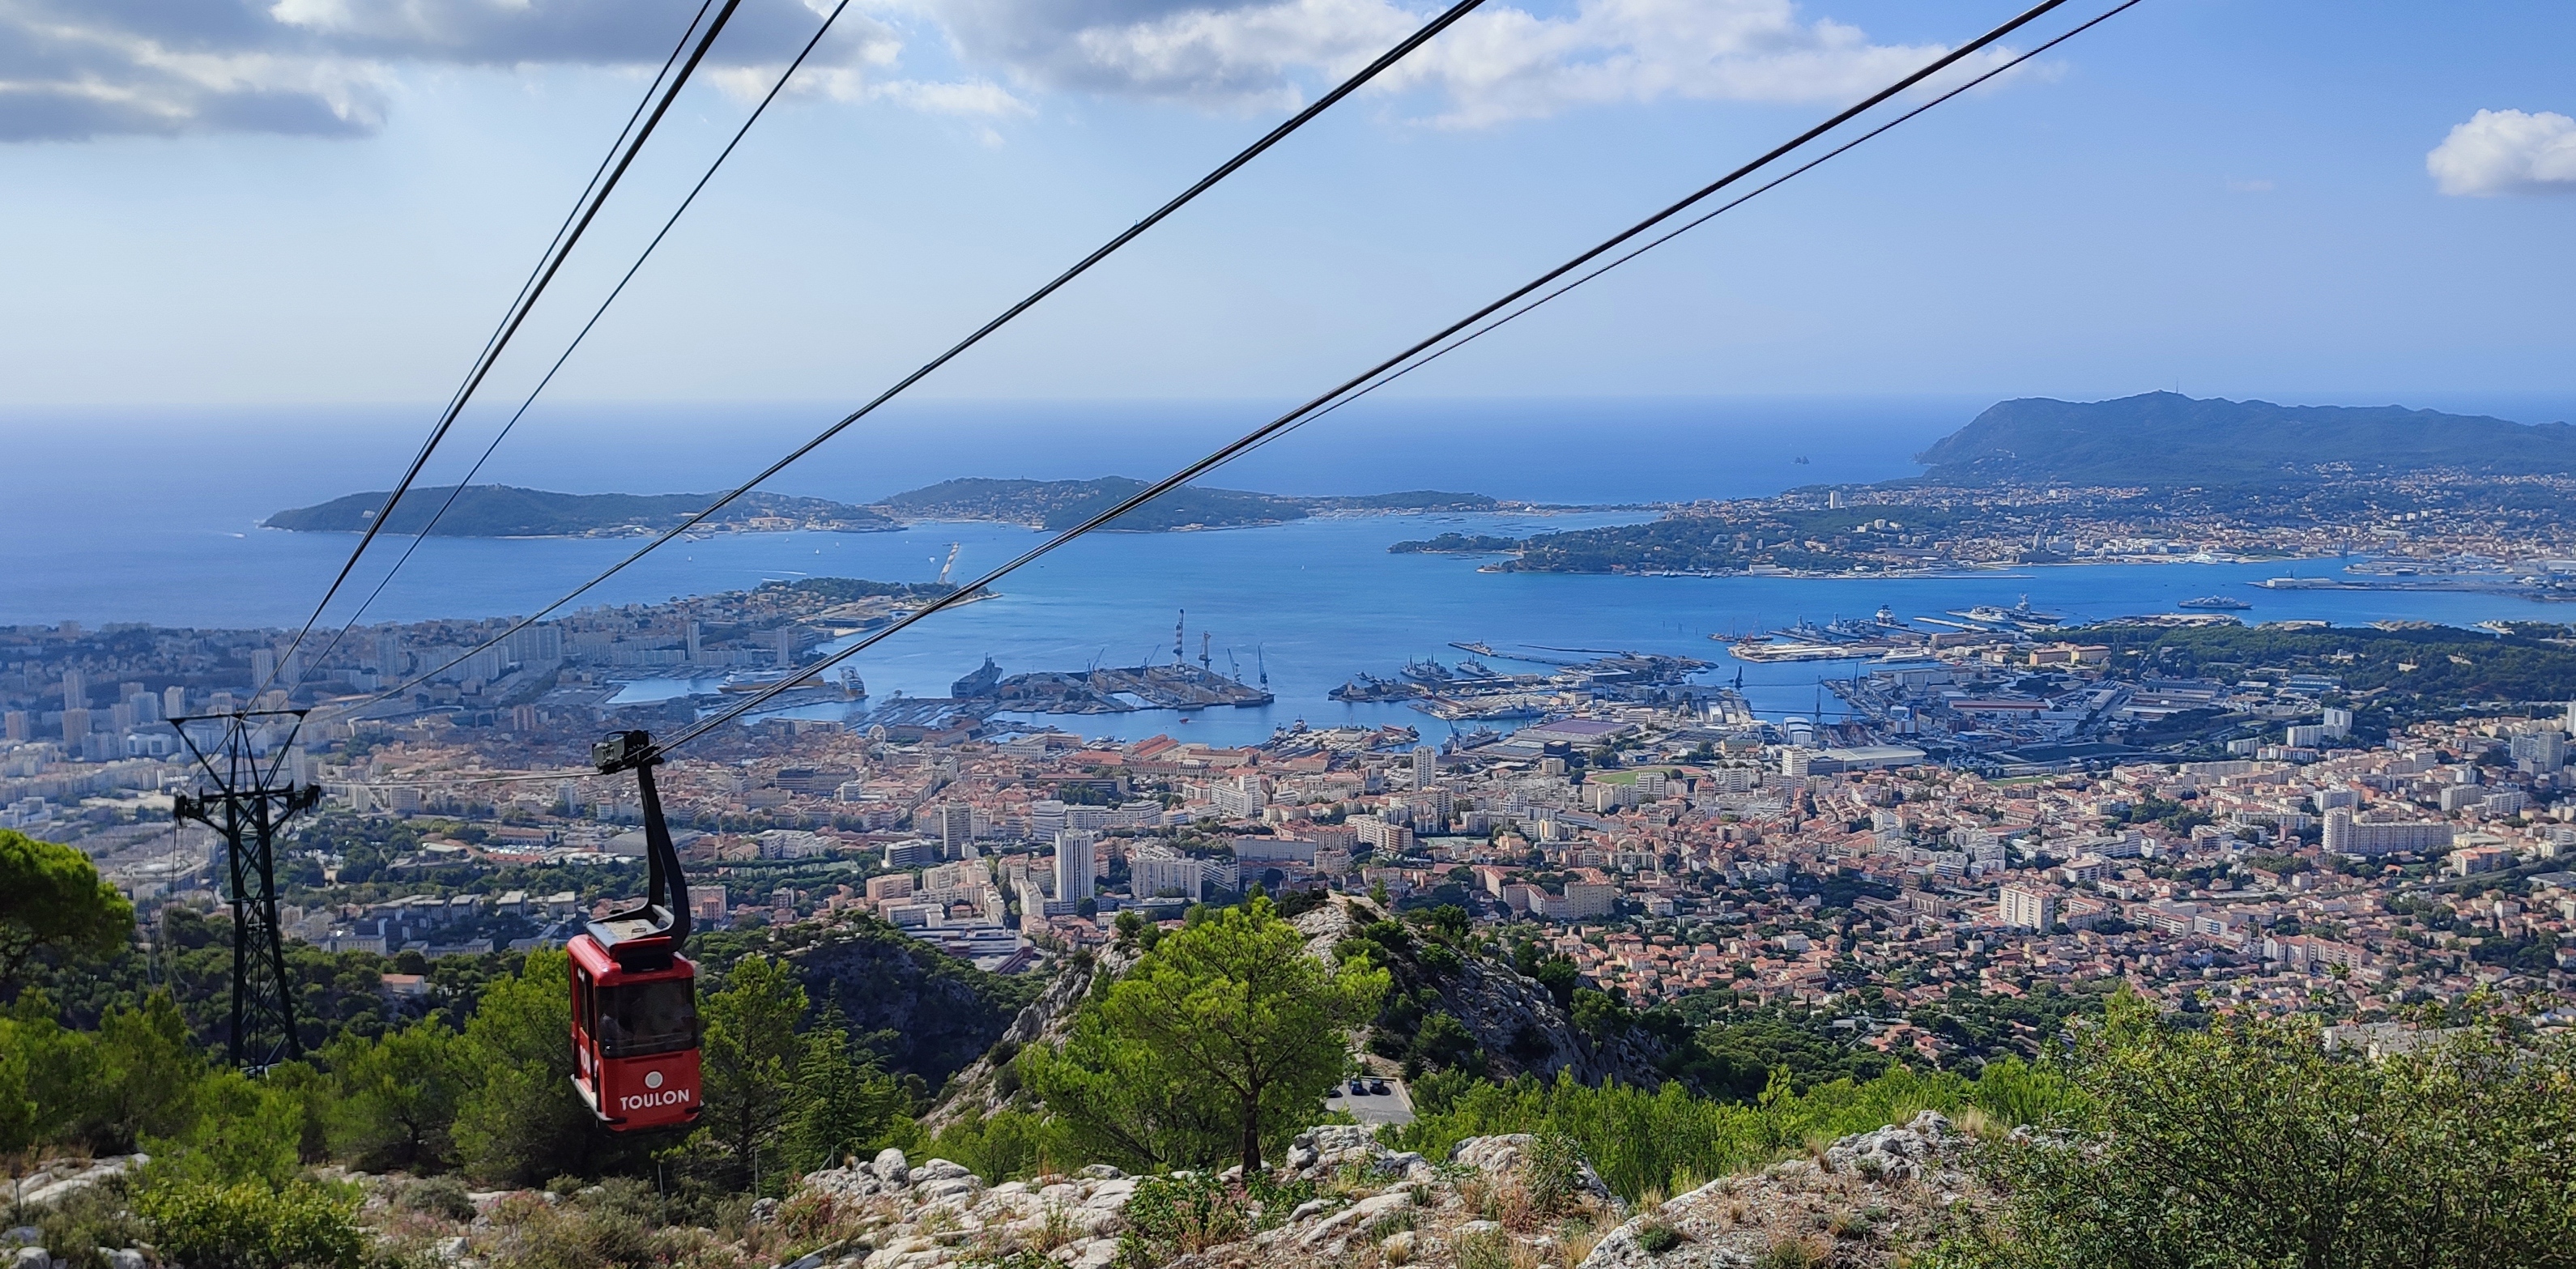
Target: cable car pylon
246, 806
634, 996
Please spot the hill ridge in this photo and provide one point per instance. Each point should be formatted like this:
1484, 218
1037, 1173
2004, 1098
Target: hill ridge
2166, 438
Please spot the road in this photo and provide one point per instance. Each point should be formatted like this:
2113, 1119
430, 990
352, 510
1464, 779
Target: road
1394, 1107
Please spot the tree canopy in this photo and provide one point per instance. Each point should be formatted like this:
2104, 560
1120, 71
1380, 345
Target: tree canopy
2249, 1143
51, 896
1221, 1040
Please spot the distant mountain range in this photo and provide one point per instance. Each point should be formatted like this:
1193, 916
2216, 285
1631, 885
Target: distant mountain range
502, 511
2165, 438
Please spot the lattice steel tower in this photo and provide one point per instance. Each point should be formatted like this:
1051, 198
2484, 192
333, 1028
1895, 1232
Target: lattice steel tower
246, 806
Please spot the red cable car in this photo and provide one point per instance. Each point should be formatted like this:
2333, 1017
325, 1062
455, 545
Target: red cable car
634, 996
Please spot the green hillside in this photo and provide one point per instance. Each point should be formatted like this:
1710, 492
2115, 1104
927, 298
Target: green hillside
503, 511
2164, 438
1062, 504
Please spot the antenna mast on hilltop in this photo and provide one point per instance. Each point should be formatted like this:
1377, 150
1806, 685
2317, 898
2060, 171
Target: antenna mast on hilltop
246, 807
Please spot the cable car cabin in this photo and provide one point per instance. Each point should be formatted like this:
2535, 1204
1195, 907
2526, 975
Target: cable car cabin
634, 996
635, 1035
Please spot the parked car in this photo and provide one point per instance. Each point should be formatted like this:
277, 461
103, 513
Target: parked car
1377, 1088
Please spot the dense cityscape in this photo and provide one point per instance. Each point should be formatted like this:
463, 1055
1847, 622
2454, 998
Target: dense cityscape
1648, 829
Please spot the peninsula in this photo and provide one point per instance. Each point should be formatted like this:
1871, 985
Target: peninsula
2156, 477
1062, 504
504, 511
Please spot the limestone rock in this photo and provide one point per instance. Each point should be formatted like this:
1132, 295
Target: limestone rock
1902, 1154
889, 1166
1880, 1197
64, 1180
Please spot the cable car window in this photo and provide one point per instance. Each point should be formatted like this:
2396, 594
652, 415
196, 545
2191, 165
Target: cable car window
647, 1018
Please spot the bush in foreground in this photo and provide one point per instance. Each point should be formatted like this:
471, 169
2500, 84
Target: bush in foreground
206, 1225
2250, 1144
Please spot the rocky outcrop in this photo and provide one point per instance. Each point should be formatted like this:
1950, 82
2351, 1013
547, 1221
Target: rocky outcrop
935, 1013
57, 1181
978, 1088
1342, 1196
1867, 1200
1517, 1025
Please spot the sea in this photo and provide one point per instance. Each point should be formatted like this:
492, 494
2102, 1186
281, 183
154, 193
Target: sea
153, 516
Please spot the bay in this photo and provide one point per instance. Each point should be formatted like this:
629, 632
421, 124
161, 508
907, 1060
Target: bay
133, 518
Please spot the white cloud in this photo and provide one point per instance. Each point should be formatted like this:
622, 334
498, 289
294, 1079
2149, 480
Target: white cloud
72, 69
77, 69
2507, 152
1497, 64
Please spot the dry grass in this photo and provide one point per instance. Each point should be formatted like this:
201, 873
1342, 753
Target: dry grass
1515, 1208
1056, 1227
1793, 1253
1579, 1240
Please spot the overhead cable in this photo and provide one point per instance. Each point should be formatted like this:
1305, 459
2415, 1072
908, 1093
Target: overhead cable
1705, 217
1351, 85
467, 479
553, 261
1253, 439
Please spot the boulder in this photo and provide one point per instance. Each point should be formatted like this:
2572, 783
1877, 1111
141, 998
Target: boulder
889, 1167
62, 1183
940, 1170
1893, 1153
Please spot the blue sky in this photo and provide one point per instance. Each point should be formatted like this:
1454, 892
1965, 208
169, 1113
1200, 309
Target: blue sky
324, 201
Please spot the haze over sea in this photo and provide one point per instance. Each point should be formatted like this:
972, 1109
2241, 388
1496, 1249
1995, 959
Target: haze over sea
152, 516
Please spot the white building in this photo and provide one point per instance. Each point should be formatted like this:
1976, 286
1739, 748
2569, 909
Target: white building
2028, 908
1076, 867
1583, 899
1155, 869
2347, 834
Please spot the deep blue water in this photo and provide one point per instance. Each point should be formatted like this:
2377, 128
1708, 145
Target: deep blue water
153, 519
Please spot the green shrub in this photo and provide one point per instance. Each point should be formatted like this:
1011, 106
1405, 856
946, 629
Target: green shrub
440, 1196
75, 1227
1790, 1253
1006, 1145
2249, 1144
1181, 1215
611, 1229
205, 1225
1277, 1198
1655, 1238
1671, 1138
1488, 1249
1553, 1172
